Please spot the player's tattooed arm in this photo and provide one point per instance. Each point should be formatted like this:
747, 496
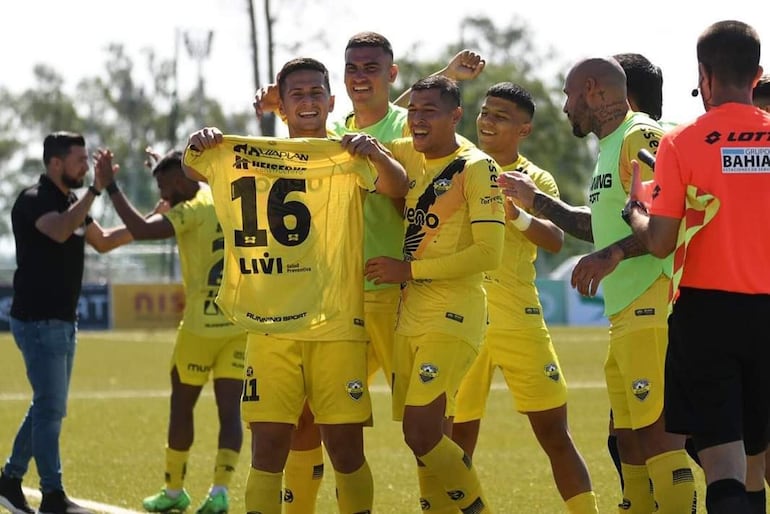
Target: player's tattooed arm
631, 246
575, 221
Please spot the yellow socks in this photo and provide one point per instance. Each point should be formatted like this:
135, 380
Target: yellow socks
224, 467
583, 503
176, 468
673, 482
355, 491
637, 490
454, 470
302, 479
263, 492
433, 496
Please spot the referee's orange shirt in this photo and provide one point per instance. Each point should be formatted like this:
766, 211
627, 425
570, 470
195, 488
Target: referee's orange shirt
725, 152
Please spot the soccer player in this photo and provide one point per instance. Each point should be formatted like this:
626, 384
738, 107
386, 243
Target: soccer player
455, 226
369, 74
207, 344
316, 354
709, 207
50, 227
635, 289
518, 341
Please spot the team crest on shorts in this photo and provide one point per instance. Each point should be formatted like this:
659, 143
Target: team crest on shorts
456, 495
288, 496
355, 389
641, 389
428, 372
424, 504
441, 186
552, 371
249, 371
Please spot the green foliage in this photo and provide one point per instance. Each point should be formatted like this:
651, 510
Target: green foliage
115, 108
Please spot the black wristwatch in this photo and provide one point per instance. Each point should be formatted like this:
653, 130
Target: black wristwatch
94, 191
626, 212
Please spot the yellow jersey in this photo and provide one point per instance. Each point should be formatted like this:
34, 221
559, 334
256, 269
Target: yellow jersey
511, 292
201, 257
446, 196
292, 215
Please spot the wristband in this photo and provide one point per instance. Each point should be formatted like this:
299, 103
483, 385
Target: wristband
112, 188
523, 222
94, 191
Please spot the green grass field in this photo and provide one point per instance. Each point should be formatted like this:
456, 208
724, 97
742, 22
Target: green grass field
115, 431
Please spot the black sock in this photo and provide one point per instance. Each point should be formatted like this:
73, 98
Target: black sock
757, 501
612, 447
727, 496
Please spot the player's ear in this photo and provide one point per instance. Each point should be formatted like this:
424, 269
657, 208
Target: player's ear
526, 129
331, 103
393, 73
457, 114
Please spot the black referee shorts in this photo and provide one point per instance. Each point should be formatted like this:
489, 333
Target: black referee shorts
718, 368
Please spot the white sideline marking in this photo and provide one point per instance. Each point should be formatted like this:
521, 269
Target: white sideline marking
99, 507
130, 394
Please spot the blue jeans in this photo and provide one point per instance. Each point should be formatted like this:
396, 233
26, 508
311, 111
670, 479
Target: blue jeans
48, 348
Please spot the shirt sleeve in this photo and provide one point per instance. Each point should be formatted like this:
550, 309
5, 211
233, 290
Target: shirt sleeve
486, 253
670, 189
487, 218
640, 137
181, 217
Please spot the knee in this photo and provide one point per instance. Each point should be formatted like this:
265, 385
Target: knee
420, 439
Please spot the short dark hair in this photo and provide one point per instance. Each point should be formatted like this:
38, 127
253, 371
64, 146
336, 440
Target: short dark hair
299, 64
730, 50
171, 161
58, 144
513, 93
644, 83
450, 92
762, 90
370, 40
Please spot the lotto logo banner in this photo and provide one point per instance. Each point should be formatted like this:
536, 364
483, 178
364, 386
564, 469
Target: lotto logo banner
746, 160
147, 305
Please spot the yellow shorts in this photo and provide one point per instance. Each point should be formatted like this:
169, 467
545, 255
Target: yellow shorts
530, 368
282, 373
427, 366
380, 315
196, 357
636, 358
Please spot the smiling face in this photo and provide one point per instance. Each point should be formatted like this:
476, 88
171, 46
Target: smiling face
306, 103
369, 72
500, 125
432, 121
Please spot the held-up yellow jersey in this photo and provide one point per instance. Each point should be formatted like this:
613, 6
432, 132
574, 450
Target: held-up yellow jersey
446, 197
292, 215
511, 293
201, 256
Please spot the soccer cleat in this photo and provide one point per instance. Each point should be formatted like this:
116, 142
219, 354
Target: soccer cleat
12, 497
214, 504
56, 502
162, 502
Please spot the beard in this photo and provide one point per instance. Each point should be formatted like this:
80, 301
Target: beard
578, 131
72, 183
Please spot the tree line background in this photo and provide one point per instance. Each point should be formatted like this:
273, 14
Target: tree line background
119, 108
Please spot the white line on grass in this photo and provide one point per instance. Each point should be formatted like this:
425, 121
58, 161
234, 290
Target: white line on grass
99, 507
129, 394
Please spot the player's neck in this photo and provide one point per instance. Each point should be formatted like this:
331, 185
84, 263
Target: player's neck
308, 133
368, 115
506, 157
